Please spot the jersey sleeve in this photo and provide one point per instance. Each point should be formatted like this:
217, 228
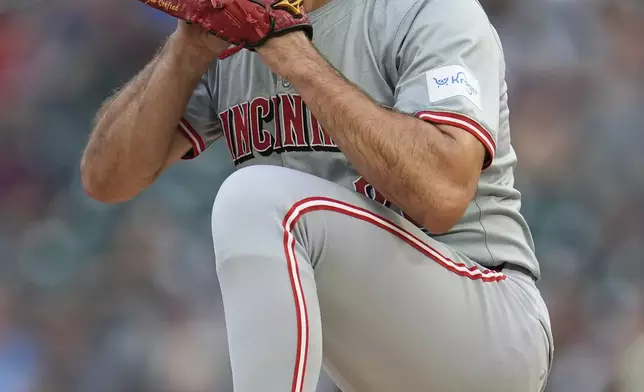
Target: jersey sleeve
448, 68
199, 122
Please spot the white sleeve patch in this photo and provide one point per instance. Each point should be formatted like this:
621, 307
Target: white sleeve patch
453, 81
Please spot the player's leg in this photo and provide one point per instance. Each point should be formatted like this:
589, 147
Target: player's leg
270, 304
408, 315
398, 313
221, 363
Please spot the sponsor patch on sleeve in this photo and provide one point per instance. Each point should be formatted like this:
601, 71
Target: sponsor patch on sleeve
453, 81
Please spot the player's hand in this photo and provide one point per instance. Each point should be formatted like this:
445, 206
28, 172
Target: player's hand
196, 37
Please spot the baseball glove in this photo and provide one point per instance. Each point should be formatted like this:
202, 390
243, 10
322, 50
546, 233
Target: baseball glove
245, 23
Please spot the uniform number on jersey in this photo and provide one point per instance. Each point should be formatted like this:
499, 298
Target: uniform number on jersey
364, 188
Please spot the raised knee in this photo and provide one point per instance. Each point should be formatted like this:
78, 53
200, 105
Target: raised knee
238, 192
250, 193
239, 183
246, 211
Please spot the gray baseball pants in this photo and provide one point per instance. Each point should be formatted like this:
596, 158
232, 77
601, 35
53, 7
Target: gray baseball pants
315, 274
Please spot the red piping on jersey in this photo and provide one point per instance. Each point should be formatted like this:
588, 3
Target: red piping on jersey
198, 143
467, 124
310, 204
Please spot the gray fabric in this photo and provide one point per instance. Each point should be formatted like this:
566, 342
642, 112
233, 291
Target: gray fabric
438, 59
399, 310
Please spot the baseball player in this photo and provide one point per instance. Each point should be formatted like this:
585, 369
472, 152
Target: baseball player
372, 226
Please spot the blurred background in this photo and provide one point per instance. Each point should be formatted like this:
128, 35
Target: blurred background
120, 298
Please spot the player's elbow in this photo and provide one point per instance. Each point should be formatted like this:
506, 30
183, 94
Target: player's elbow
446, 211
441, 223
99, 195
103, 194
98, 191
98, 188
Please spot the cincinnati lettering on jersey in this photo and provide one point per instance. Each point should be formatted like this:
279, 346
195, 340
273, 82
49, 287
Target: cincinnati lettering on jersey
296, 128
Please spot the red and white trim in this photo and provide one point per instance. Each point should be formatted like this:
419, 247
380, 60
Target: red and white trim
305, 206
197, 141
465, 123
301, 311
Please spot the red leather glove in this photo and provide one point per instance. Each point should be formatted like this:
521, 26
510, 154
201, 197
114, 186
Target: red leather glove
246, 23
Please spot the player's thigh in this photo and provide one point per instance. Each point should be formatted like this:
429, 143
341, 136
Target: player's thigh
399, 315
400, 311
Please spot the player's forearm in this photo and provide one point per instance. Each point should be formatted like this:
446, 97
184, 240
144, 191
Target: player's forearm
135, 130
406, 160
409, 161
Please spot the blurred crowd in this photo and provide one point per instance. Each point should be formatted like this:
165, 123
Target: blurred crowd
122, 298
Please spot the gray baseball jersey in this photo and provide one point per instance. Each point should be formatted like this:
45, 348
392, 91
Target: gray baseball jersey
413, 56
440, 61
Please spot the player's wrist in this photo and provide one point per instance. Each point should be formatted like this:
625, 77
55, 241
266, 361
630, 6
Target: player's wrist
187, 56
285, 54
195, 44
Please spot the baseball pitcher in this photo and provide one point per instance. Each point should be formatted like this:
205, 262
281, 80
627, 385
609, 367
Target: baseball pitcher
373, 227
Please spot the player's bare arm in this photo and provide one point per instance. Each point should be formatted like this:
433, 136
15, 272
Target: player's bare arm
135, 135
430, 171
